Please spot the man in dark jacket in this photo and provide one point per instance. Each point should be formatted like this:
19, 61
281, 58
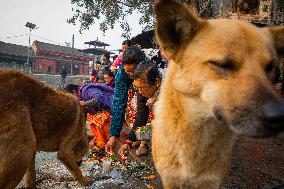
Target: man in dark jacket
63, 77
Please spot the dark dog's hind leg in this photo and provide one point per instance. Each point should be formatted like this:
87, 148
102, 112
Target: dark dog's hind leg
30, 176
17, 147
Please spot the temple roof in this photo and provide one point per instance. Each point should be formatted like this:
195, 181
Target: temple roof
97, 43
15, 50
95, 51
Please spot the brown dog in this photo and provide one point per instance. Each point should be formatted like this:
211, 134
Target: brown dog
33, 118
218, 84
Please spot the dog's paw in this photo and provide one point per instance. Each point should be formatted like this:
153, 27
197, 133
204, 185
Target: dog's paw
86, 181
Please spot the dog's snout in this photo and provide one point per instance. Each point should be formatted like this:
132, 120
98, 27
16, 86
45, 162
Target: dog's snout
273, 115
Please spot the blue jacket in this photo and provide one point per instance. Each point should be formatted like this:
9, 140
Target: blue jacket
119, 105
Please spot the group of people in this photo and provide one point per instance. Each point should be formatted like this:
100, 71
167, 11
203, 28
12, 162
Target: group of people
106, 101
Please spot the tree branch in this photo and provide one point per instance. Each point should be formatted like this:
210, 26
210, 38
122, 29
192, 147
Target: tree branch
128, 4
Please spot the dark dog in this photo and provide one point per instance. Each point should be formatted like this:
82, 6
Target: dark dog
33, 118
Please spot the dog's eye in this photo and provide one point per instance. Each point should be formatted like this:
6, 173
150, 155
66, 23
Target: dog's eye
226, 65
270, 67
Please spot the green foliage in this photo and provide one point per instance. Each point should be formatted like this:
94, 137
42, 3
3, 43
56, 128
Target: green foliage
114, 157
146, 129
134, 167
108, 12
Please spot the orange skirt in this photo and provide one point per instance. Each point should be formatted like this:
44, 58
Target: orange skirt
99, 126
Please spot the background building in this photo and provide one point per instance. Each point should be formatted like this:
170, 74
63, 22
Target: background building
50, 58
15, 57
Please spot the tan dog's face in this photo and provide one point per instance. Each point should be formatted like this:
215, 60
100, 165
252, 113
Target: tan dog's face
226, 66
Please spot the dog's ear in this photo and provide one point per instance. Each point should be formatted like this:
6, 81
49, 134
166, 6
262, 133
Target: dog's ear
278, 37
176, 25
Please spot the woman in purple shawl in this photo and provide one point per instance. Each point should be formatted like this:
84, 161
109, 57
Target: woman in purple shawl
97, 102
96, 97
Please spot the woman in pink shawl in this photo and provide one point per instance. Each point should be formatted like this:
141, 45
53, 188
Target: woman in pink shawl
114, 67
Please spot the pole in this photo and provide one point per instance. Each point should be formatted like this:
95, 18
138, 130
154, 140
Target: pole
31, 26
72, 54
28, 60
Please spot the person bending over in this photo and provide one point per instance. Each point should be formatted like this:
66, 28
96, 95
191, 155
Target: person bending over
131, 58
147, 81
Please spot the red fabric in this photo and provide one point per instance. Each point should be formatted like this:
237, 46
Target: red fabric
94, 80
131, 111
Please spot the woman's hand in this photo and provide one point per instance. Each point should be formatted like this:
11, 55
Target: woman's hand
123, 150
111, 144
113, 69
82, 103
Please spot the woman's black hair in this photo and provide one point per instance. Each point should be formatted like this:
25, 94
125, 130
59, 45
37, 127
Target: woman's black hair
98, 62
108, 72
127, 42
147, 70
133, 55
107, 55
70, 88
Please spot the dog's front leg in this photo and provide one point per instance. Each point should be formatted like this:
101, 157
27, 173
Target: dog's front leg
67, 157
30, 176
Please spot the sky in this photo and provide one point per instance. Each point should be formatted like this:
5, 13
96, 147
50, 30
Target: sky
50, 17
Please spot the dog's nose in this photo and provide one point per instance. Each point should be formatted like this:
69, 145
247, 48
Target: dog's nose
273, 114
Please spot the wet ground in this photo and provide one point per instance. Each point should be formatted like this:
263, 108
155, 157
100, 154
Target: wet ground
256, 164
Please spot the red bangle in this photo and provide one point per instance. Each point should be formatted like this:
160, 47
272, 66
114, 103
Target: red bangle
128, 143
